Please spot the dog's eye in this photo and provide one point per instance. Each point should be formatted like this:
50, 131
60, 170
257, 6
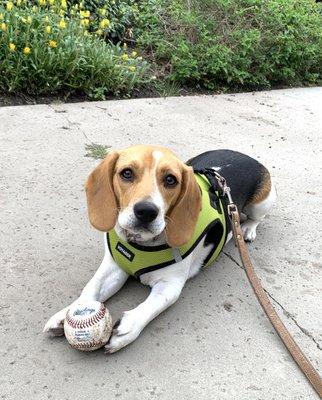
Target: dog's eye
127, 174
170, 180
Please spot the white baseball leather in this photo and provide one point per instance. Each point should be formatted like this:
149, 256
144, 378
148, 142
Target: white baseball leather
87, 325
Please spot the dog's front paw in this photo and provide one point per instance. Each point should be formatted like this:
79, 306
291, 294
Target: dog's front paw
249, 230
125, 331
55, 325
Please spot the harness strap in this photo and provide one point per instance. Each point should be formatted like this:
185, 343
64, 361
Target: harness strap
176, 254
299, 357
213, 178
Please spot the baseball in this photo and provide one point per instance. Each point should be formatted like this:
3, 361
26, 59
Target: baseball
88, 325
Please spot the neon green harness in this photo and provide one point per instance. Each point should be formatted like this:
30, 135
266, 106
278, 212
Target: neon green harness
137, 260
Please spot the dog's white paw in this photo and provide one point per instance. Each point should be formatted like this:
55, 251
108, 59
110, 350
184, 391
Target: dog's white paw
125, 331
55, 325
249, 230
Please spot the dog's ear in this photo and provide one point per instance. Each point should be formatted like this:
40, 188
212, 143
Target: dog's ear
101, 199
184, 215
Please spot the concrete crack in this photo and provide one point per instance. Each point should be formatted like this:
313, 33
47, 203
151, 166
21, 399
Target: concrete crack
286, 313
70, 123
233, 260
77, 125
289, 315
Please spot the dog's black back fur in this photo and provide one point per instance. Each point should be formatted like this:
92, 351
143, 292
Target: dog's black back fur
243, 174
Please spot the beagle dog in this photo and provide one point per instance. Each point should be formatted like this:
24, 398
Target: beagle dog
154, 211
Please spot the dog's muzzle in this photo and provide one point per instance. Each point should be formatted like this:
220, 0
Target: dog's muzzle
145, 212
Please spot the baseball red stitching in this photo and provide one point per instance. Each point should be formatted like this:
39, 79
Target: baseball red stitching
87, 345
87, 322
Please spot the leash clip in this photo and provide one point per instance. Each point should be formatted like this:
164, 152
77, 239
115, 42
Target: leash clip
222, 184
231, 207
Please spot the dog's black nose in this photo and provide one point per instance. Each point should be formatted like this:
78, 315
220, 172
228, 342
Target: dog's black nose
145, 211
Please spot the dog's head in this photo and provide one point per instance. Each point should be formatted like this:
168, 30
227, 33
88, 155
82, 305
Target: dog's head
142, 192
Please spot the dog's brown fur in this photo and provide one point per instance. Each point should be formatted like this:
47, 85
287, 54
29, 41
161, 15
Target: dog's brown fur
263, 190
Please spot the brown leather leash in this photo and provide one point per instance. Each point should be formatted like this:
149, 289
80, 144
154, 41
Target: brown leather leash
305, 365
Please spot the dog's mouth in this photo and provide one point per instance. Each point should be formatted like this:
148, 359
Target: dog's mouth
131, 229
133, 237
139, 235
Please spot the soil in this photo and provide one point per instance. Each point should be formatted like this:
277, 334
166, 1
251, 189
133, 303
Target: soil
21, 99
147, 92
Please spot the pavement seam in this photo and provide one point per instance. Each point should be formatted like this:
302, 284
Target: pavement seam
286, 313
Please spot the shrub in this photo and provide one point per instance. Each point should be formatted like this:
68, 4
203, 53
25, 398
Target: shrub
233, 43
52, 45
48, 47
121, 16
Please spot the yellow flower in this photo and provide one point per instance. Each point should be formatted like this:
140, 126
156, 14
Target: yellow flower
63, 4
48, 29
34, 8
99, 32
23, 20
46, 18
86, 33
19, 3
102, 12
1, 16
51, 2
125, 57
29, 19
26, 50
85, 22
9, 5
3, 26
42, 2
12, 47
62, 24
62, 13
52, 44
84, 14
105, 23
132, 68
134, 54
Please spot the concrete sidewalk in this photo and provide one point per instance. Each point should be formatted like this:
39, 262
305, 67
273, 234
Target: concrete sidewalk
214, 343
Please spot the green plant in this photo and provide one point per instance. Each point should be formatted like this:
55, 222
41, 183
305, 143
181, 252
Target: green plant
43, 50
233, 43
96, 151
119, 14
48, 46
